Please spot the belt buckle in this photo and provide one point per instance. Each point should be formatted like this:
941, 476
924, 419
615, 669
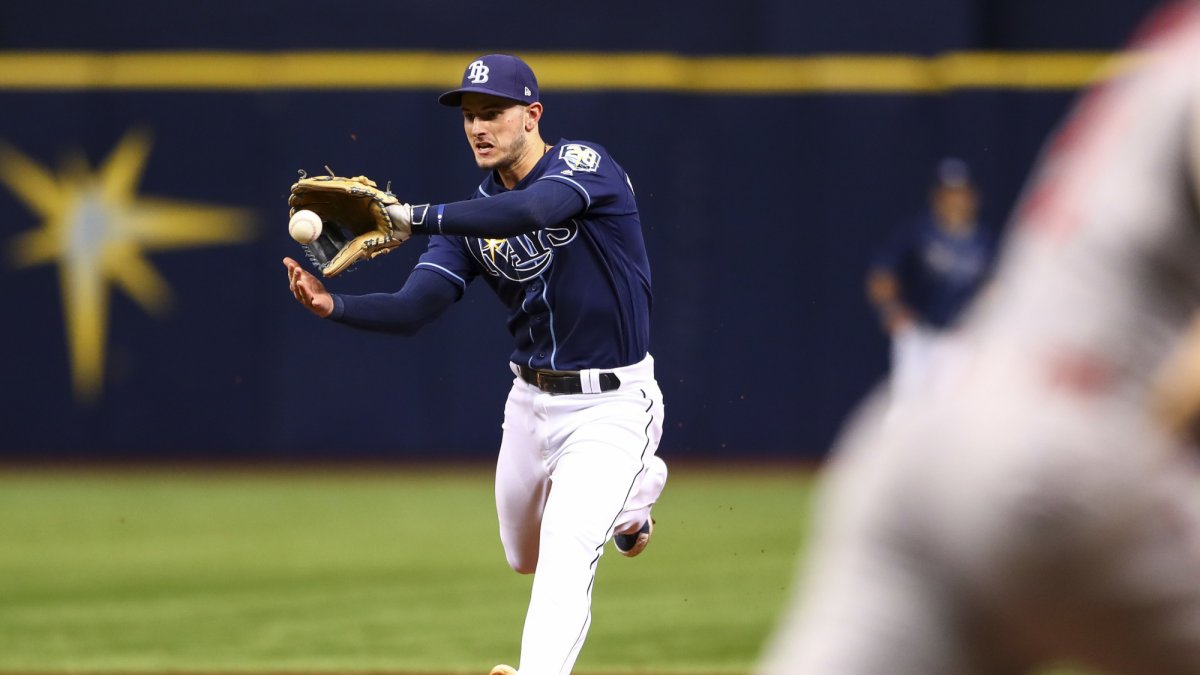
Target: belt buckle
537, 377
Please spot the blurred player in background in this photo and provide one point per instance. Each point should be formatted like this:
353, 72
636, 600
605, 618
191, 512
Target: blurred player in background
554, 231
926, 274
1041, 510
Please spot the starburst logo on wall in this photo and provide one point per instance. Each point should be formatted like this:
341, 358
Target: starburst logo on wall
98, 230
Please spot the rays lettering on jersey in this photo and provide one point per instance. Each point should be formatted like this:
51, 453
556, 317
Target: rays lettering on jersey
955, 265
525, 256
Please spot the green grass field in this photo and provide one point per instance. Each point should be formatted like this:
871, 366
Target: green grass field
369, 570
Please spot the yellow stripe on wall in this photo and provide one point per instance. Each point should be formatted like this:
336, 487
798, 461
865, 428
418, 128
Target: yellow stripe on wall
840, 73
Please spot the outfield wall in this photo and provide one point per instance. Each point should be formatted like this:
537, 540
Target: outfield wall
771, 142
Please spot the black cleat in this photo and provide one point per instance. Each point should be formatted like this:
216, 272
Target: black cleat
634, 543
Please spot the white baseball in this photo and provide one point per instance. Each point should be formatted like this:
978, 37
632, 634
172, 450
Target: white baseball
305, 226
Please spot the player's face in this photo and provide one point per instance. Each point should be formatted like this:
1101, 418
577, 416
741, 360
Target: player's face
495, 129
955, 206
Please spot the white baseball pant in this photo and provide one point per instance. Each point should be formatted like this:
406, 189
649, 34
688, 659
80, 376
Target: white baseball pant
1021, 527
573, 470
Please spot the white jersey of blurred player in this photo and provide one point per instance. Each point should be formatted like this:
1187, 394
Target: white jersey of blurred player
1037, 513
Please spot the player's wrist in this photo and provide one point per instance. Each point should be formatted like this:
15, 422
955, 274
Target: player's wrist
427, 218
894, 315
891, 309
339, 308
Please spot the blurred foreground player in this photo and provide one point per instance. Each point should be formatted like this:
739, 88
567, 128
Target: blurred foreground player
1041, 511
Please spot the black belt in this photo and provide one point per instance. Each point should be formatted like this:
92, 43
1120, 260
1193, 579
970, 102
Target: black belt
564, 381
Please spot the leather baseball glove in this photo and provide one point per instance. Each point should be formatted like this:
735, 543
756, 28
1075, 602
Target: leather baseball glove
355, 221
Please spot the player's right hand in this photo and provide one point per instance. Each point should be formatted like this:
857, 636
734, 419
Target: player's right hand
308, 290
897, 321
1175, 395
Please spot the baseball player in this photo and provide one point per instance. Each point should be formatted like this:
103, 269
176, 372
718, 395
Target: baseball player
1040, 511
554, 230
923, 278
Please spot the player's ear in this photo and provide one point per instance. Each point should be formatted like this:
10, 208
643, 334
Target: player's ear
533, 113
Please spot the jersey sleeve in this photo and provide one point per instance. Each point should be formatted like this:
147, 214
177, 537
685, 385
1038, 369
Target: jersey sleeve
587, 168
890, 254
448, 257
423, 298
543, 204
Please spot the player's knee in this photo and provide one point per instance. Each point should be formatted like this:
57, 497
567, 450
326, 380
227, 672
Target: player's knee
522, 566
522, 563
656, 474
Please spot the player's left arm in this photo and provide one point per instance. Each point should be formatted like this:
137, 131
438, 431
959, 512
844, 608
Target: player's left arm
543, 204
1176, 395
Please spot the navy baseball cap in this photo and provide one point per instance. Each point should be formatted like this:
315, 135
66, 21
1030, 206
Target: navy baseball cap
499, 75
952, 172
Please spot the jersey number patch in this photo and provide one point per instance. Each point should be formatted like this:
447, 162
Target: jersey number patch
579, 157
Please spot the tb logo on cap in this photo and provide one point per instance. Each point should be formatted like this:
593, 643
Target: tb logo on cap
478, 72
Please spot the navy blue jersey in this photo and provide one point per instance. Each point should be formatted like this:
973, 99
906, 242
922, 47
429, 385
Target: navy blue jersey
938, 272
578, 293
